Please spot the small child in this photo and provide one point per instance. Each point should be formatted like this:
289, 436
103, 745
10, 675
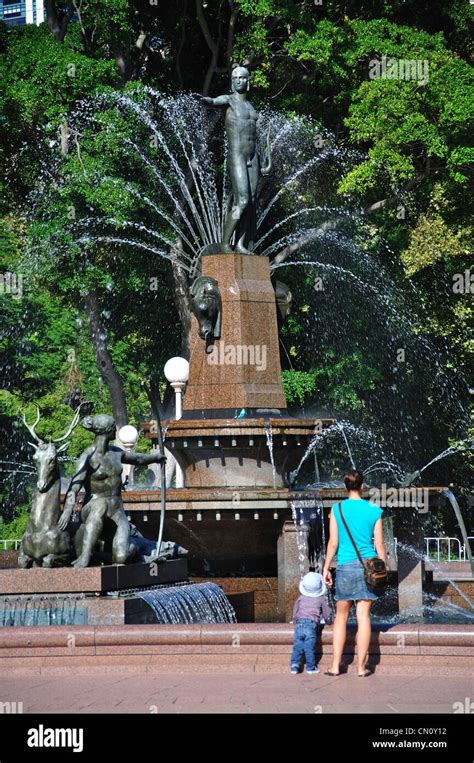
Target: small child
310, 608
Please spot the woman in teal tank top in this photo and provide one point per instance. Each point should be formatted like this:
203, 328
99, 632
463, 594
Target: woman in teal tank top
365, 523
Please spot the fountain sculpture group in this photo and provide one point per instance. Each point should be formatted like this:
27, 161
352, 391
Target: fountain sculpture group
236, 444
98, 472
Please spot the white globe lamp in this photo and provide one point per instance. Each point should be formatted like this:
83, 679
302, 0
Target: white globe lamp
128, 436
177, 373
177, 370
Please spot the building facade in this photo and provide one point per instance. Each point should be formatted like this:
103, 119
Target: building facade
17, 12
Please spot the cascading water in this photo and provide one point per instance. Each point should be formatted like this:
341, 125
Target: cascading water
196, 603
298, 506
269, 436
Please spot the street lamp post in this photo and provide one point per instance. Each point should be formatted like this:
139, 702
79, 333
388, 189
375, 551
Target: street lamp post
177, 373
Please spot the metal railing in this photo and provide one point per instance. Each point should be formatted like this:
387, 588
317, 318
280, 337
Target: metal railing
444, 549
16, 543
461, 553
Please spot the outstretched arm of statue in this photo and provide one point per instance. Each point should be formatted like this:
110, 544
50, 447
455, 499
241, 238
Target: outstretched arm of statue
73, 489
142, 459
221, 100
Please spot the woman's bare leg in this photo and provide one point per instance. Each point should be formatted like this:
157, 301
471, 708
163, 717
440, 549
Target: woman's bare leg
364, 629
339, 633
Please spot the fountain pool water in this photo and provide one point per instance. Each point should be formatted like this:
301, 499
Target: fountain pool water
38, 610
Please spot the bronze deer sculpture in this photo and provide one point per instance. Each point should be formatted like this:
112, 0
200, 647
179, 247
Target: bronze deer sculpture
43, 543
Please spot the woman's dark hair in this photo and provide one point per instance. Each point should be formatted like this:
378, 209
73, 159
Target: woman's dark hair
353, 479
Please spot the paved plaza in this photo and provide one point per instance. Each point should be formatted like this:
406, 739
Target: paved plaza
131, 690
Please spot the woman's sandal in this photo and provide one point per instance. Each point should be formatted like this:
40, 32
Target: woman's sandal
366, 673
330, 673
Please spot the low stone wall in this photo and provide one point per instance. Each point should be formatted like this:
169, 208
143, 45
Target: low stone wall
8, 559
446, 649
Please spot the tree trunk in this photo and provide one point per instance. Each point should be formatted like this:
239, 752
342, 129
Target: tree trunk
52, 18
65, 135
124, 65
104, 360
213, 45
58, 22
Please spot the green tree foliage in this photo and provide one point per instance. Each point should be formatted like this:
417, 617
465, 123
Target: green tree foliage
412, 185
41, 81
344, 383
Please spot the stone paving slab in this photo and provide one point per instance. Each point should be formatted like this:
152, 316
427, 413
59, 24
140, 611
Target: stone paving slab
141, 664
237, 693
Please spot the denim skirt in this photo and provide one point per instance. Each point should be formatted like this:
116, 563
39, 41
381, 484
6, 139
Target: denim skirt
350, 583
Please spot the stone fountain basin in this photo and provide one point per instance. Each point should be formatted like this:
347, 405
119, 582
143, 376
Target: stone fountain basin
101, 579
446, 649
235, 452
